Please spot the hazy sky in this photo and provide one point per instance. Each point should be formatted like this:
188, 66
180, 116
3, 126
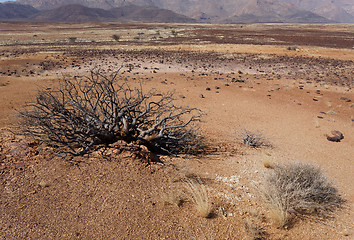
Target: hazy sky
6, 0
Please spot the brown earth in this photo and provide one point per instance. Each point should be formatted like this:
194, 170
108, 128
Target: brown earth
294, 90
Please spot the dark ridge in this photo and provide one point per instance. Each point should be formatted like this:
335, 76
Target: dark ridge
13, 11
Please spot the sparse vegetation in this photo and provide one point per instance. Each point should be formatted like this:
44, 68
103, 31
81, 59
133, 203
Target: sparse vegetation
115, 37
199, 197
102, 109
295, 190
71, 39
255, 231
253, 139
173, 198
292, 48
4, 84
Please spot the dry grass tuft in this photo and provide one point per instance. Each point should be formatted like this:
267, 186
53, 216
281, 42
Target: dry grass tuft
296, 190
199, 197
173, 198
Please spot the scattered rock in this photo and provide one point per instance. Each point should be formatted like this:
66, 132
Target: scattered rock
331, 112
43, 184
335, 136
345, 99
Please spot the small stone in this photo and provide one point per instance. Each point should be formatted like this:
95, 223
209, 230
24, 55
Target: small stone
345, 99
335, 136
43, 184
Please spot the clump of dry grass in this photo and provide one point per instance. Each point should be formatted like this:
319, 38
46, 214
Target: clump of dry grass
199, 197
296, 189
173, 198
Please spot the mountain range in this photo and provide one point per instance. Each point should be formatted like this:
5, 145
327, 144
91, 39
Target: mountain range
79, 13
221, 11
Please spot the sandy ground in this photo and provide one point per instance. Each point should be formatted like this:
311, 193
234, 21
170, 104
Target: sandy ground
293, 97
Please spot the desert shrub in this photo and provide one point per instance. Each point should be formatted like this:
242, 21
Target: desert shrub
103, 108
253, 139
292, 48
296, 190
72, 39
115, 37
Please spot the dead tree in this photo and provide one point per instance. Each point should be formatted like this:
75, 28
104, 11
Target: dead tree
84, 112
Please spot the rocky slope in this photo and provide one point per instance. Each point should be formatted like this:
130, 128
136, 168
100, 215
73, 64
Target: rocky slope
224, 11
11, 11
336, 10
79, 13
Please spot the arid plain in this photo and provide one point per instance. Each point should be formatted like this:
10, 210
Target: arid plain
291, 83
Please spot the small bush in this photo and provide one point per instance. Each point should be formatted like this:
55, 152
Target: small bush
115, 37
72, 39
253, 139
297, 189
292, 48
101, 109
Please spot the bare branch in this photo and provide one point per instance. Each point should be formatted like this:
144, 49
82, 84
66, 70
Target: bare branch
102, 109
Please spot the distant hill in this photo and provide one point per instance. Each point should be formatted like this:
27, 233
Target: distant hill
336, 10
263, 11
224, 11
148, 14
73, 13
12, 11
79, 13
104, 4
